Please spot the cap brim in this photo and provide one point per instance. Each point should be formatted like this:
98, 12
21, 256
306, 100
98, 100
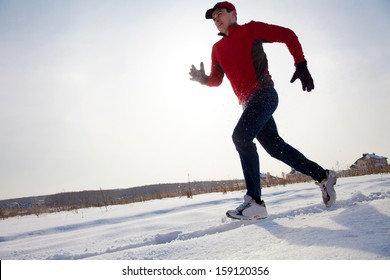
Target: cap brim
209, 13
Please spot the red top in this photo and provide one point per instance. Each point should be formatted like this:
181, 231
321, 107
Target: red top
242, 58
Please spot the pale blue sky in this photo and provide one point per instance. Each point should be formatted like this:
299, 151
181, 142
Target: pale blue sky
97, 93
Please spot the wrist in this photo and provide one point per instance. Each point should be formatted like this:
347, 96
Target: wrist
204, 80
301, 64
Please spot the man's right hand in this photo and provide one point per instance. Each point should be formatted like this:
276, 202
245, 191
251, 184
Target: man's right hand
198, 75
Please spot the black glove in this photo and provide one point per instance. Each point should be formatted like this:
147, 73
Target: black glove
198, 75
302, 73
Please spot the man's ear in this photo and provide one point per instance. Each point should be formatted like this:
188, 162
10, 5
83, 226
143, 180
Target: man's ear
235, 14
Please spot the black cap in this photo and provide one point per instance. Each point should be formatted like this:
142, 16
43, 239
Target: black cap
219, 5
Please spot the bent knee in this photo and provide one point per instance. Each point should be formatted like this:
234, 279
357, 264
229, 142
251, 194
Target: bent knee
241, 142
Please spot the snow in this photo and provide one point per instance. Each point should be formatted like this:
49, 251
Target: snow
299, 227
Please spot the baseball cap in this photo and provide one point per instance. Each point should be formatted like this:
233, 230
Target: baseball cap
219, 5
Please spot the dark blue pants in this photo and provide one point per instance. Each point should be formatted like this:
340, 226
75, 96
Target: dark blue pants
257, 122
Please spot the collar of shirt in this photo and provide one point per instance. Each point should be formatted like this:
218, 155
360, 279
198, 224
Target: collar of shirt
232, 28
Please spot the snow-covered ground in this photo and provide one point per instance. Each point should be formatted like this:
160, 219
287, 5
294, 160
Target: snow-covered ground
299, 228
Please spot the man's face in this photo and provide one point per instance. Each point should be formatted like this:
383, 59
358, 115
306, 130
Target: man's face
223, 19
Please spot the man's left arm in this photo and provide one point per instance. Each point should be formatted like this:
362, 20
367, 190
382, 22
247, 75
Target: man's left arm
274, 33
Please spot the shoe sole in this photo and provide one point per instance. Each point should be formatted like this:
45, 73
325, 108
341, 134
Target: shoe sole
332, 199
243, 218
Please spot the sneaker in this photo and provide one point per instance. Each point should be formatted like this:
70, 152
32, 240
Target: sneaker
249, 210
327, 188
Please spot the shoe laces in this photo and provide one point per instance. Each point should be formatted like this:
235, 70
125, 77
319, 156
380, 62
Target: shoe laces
244, 205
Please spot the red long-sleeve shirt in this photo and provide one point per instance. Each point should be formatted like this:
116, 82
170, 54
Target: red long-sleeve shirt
242, 58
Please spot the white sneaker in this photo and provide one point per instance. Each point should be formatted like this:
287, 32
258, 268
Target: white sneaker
327, 188
249, 210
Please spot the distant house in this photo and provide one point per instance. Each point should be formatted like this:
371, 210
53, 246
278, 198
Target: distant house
268, 180
293, 172
296, 176
368, 161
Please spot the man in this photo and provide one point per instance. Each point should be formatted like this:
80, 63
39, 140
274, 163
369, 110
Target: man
240, 56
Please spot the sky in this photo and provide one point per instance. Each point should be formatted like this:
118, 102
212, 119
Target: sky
96, 94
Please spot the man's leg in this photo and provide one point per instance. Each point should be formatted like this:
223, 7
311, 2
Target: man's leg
271, 141
257, 113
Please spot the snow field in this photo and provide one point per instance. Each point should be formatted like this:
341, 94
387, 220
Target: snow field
299, 227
